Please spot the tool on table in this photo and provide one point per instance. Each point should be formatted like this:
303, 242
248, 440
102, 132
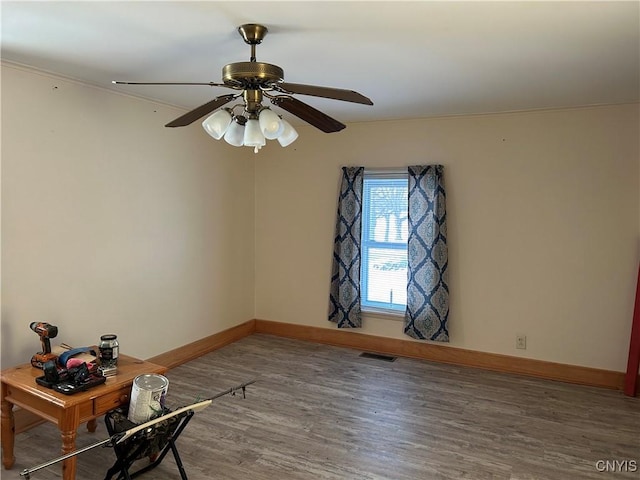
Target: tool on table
142, 433
69, 381
70, 370
46, 331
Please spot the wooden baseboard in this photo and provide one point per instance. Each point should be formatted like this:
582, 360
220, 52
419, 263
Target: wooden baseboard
446, 354
24, 419
191, 351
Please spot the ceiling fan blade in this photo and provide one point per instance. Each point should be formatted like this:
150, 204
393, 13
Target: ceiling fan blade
210, 84
201, 111
325, 92
308, 114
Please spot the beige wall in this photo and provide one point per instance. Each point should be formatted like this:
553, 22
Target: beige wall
543, 212
112, 223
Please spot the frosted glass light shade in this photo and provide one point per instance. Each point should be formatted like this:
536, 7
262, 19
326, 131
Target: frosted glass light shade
270, 124
253, 137
289, 134
235, 134
216, 124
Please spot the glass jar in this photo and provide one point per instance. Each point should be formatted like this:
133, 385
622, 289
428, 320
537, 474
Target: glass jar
108, 351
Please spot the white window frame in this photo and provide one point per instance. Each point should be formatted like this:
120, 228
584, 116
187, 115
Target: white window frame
383, 174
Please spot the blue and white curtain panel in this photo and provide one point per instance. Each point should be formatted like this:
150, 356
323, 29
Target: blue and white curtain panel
427, 258
344, 297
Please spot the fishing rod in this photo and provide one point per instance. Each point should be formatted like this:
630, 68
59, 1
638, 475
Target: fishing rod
118, 438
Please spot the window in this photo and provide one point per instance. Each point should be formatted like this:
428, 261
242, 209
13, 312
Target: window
384, 241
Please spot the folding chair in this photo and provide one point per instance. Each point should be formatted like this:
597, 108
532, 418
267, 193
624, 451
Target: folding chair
153, 442
152, 439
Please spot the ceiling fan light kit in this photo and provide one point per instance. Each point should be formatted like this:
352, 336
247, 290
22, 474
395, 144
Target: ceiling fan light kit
289, 135
216, 124
235, 134
253, 137
254, 132
270, 124
257, 80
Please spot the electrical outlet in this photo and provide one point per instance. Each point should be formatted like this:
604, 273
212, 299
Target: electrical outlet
521, 342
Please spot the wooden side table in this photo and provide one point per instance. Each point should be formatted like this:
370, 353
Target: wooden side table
19, 387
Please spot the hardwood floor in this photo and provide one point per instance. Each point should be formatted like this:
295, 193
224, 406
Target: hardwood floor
323, 412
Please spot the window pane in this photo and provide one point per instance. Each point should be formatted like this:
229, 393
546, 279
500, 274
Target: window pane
387, 210
384, 242
386, 277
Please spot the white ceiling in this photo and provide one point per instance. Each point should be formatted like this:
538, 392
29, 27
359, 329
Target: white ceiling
413, 59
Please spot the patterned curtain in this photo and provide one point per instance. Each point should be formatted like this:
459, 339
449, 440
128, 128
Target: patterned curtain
344, 297
427, 277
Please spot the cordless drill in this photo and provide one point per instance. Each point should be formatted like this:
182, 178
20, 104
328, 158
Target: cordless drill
45, 331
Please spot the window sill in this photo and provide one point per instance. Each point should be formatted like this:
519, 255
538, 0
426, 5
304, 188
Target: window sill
383, 313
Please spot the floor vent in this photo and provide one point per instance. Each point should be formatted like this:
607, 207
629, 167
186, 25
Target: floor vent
378, 356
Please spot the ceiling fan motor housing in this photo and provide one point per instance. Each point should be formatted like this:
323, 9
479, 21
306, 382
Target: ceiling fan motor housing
248, 74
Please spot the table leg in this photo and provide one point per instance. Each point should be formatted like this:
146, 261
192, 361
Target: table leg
68, 430
91, 425
8, 430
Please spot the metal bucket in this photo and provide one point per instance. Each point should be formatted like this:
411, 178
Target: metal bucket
147, 397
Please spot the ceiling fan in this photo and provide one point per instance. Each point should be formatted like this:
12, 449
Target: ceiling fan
256, 80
